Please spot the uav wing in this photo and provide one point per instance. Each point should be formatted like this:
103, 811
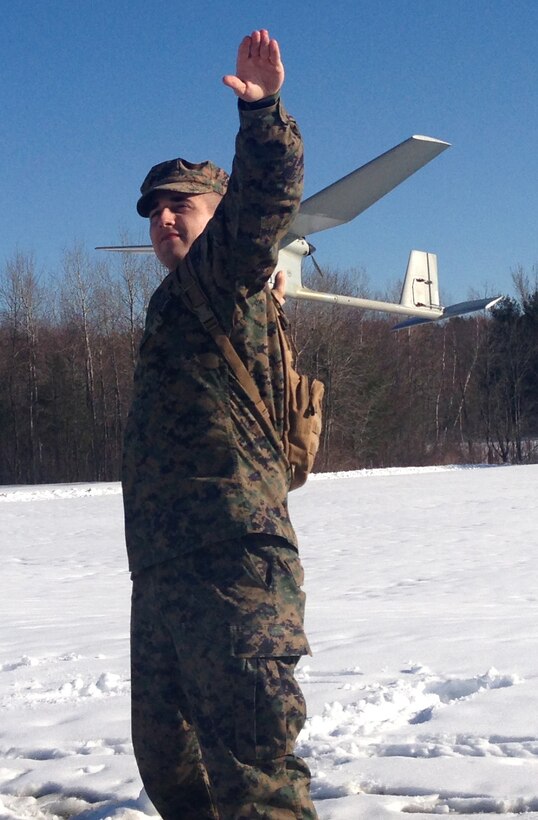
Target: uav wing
354, 193
343, 201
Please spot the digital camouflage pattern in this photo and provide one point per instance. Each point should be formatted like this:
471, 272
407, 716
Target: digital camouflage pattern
197, 466
183, 176
217, 610
216, 637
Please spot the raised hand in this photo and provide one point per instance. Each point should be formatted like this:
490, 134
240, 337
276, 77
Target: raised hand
260, 72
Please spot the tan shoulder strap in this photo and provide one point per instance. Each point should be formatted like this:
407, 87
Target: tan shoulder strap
196, 300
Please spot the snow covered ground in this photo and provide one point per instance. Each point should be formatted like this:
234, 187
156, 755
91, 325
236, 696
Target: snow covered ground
422, 613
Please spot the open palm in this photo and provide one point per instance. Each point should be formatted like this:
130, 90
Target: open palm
260, 72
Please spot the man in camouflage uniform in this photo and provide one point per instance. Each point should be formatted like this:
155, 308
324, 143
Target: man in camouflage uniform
217, 617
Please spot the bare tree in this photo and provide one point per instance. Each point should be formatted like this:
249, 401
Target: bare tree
21, 302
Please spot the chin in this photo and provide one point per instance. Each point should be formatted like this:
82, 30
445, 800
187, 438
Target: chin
171, 264
171, 260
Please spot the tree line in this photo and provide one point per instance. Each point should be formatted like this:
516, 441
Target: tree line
464, 391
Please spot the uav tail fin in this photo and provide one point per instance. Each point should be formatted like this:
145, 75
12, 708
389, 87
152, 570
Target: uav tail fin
421, 283
421, 289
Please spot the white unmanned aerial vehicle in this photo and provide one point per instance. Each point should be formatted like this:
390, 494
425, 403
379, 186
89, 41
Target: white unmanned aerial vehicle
343, 201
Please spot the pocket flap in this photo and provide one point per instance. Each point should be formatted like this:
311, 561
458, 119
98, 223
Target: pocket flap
270, 640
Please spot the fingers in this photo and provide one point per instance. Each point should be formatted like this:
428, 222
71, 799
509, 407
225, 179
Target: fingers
263, 48
260, 45
243, 52
256, 39
274, 52
279, 288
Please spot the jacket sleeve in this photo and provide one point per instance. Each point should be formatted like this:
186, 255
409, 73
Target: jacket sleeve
263, 197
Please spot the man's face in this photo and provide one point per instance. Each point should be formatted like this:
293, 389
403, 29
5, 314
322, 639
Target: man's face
176, 220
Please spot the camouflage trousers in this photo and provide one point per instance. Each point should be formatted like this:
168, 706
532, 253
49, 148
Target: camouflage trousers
216, 710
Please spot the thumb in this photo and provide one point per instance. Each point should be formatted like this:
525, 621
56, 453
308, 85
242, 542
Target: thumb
234, 83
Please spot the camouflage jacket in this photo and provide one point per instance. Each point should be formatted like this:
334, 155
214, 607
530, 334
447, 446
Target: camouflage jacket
197, 468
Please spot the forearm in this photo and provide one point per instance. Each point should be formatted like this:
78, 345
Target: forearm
265, 187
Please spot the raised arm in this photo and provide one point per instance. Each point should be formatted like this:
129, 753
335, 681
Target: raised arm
265, 186
259, 70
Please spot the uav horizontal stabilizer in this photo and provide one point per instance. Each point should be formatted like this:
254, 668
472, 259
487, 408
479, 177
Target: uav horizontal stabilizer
459, 309
354, 193
126, 248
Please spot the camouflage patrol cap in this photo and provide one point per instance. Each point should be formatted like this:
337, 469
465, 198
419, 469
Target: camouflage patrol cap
182, 176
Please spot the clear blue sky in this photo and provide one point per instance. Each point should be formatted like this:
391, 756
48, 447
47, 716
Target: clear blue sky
93, 93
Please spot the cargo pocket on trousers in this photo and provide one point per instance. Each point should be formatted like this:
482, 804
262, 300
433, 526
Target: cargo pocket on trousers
269, 706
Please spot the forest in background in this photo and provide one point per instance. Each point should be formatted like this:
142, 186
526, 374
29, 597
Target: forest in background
463, 391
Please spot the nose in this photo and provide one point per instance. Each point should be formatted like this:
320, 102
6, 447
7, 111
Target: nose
167, 217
